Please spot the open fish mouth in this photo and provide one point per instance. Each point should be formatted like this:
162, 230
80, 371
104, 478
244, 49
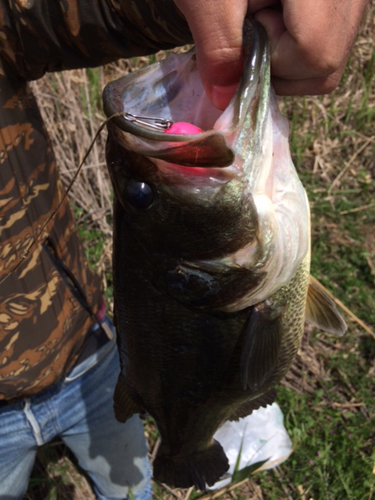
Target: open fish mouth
161, 94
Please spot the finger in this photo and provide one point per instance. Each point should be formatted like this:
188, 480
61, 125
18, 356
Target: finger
217, 31
311, 41
311, 86
306, 53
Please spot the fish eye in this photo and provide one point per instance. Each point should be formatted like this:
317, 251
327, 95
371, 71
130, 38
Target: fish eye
139, 194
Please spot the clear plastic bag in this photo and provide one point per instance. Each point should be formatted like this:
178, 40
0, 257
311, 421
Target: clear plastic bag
259, 437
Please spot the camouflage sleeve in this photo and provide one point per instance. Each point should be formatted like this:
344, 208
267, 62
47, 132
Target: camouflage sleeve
37, 36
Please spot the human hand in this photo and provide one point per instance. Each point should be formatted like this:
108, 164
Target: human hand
310, 42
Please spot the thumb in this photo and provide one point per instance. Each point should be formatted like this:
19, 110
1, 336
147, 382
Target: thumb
217, 31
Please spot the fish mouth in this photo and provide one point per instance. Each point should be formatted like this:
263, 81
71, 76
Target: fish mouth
172, 90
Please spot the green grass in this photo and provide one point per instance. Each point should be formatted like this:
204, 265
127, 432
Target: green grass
333, 446
333, 429
95, 241
91, 91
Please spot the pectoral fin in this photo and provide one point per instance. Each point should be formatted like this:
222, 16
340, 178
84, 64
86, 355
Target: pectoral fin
321, 310
123, 404
261, 346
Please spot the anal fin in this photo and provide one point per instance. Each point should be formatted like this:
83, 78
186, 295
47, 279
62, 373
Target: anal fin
321, 310
261, 346
248, 407
123, 404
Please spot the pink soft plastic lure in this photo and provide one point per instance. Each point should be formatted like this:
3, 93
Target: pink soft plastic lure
184, 128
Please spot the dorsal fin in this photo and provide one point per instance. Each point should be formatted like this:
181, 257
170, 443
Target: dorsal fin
321, 310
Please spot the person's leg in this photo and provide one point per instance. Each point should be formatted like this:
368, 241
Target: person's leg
18, 448
113, 454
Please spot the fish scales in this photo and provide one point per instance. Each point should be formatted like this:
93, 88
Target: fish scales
211, 256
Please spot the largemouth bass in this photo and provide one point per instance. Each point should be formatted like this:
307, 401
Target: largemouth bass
211, 256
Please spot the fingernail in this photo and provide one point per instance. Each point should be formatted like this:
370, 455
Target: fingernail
221, 95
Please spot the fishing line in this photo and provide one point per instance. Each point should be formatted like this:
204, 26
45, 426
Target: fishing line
26, 252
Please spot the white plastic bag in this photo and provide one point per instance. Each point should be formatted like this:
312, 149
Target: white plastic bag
263, 437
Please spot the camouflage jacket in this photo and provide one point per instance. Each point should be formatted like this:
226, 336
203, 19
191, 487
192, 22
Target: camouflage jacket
43, 318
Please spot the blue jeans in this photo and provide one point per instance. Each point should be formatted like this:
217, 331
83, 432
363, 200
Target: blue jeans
79, 411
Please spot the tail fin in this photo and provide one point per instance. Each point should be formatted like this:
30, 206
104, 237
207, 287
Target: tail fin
204, 467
